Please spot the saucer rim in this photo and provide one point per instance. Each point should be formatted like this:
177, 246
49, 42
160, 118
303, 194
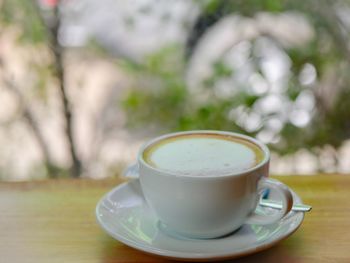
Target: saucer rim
189, 256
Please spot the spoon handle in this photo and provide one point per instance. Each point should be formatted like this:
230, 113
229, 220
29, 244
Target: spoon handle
276, 204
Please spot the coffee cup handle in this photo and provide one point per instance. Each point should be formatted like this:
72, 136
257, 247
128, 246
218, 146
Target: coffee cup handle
284, 195
132, 171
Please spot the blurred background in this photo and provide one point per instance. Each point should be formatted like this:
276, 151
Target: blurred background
83, 83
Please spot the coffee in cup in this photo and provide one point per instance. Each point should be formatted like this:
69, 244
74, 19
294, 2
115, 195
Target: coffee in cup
204, 154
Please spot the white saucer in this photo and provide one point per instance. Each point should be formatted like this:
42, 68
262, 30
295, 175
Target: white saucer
124, 214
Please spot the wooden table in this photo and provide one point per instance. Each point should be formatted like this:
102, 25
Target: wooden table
54, 221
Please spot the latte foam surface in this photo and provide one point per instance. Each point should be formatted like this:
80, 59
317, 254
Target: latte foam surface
203, 155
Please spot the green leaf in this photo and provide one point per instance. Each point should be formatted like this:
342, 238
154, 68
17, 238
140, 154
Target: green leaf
221, 69
250, 100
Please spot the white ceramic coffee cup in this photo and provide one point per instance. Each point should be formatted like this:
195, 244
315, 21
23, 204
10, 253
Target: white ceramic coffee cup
210, 206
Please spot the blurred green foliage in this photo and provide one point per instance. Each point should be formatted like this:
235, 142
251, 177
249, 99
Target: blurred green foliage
23, 13
160, 97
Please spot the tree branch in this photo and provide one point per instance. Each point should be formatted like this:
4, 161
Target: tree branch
327, 10
32, 123
57, 50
